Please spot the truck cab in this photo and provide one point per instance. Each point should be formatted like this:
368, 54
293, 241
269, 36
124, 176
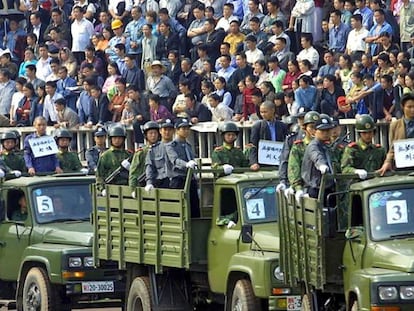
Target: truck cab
46, 239
378, 260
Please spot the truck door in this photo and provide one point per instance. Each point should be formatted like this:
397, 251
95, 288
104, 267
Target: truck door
223, 238
15, 229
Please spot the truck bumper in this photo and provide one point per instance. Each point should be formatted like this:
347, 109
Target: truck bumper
291, 303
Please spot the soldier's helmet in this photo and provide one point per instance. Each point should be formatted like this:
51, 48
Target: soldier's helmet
289, 120
150, 125
62, 133
229, 127
324, 123
167, 124
301, 112
117, 131
365, 123
17, 133
8, 135
311, 117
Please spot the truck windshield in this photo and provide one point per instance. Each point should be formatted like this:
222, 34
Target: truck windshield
391, 214
70, 202
260, 203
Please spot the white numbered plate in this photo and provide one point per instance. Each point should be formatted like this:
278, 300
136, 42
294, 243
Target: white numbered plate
98, 287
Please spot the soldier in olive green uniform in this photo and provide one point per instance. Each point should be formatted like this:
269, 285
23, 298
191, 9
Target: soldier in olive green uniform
114, 161
228, 156
69, 161
363, 156
11, 158
298, 150
137, 170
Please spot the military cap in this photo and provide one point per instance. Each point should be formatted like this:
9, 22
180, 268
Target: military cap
167, 124
182, 123
100, 131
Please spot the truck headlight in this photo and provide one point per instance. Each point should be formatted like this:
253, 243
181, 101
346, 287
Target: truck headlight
407, 292
278, 274
88, 262
75, 262
388, 292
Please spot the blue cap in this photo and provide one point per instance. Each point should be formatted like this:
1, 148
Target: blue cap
182, 123
100, 132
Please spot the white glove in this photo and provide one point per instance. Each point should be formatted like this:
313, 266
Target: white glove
323, 169
299, 195
16, 173
149, 187
231, 224
2, 174
103, 193
228, 169
125, 164
84, 171
361, 173
281, 187
288, 192
133, 195
191, 164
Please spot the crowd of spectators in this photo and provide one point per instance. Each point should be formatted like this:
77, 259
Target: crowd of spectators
206, 60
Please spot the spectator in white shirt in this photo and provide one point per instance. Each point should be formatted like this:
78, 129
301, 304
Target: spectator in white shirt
119, 9
356, 45
82, 31
227, 18
54, 66
43, 69
219, 111
49, 109
308, 52
253, 54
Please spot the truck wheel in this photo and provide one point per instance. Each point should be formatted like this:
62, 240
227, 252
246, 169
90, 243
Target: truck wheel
355, 306
306, 303
139, 296
243, 298
37, 292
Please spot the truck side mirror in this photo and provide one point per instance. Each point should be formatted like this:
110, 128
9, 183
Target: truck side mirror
354, 233
247, 233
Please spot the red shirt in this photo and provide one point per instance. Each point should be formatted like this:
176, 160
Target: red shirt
248, 105
289, 78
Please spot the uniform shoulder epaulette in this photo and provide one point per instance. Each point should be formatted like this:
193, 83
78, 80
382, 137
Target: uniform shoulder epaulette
298, 141
218, 148
340, 146
378, 145
353, 144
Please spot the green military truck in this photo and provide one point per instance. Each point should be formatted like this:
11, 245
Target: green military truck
46, 239
173, 262
358, 255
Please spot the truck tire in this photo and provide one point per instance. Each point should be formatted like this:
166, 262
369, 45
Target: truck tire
355, 306
139, 296
306, 302
243, 298
37, 291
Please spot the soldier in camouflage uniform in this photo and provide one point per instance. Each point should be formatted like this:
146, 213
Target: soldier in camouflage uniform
363, 156
296, 133
137, 170
11, 158
228, 156
92, 155
69, 161
155, 163
114, 160
298, 150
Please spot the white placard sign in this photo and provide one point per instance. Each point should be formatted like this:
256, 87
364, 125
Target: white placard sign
255, 209
44, 204
397, 212
269, 152
404, 153
43, 146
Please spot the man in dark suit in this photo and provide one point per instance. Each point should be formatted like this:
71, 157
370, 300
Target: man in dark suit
174, 70
99, 107
400, 129
166, 41
37, 27
64, 85
190, 75
267, 129
214, 39
132, 74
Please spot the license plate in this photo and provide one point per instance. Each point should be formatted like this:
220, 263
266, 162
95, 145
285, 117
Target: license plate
98, 287
294, 303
